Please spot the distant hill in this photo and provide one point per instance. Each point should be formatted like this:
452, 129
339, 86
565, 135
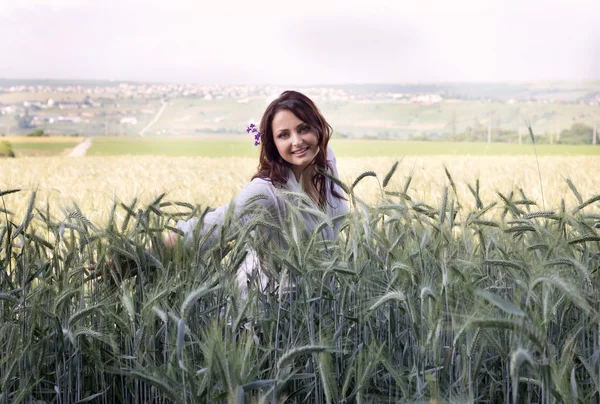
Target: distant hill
58, 83
561, 91
426, 111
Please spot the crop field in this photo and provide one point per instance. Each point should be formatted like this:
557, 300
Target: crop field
241, 146
93, 183
42, 146
469, 287
211, 146
463, 277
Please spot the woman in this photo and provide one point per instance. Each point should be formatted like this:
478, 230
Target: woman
294, 139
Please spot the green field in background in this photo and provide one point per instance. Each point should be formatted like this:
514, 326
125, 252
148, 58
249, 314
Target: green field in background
30, 149
172, 146
243, 147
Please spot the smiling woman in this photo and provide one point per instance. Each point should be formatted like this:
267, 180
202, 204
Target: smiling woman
294, 138
290, 181
293, 163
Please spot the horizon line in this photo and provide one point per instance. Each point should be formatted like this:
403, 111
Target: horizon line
387, 83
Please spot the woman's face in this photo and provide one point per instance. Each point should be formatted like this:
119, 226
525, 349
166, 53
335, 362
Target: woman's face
296, 141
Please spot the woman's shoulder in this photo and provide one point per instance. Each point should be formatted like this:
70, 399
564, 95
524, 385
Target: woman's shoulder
330, 154
260, 183
257, 186
331, 160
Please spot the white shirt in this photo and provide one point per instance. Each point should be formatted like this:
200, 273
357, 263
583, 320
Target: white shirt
274, 201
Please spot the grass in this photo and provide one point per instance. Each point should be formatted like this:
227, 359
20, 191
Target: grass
225, 146
241, 146
42, 146
48, 149
417, 300
41, 140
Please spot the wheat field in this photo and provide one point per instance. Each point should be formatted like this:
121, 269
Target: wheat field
93, 183
451, 289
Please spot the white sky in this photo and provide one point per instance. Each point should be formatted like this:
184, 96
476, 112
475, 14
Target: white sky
300, 41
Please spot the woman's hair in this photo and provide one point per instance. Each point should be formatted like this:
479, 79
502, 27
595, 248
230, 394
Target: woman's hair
272, 166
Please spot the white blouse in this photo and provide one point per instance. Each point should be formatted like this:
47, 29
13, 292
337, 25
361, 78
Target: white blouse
274, 201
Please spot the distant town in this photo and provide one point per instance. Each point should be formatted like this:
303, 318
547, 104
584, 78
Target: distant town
109, 108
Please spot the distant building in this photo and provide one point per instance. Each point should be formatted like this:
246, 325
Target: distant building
427, 99
72, 119
129, 120
67, 105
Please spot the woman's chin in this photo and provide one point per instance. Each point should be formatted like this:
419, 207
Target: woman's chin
302, 163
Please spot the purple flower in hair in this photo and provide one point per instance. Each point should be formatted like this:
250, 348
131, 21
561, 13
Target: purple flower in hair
252, 129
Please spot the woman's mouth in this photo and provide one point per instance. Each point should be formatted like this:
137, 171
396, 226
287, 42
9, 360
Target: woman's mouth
300, 152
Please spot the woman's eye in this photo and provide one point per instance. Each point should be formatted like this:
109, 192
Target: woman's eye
282, 135
304, 129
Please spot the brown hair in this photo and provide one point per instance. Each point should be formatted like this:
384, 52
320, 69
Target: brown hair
273, 167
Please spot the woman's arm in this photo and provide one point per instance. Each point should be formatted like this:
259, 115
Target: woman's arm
213, 221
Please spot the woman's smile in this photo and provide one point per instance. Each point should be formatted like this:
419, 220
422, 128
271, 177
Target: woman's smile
301, 152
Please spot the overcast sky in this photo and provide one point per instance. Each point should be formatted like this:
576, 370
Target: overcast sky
301, 41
